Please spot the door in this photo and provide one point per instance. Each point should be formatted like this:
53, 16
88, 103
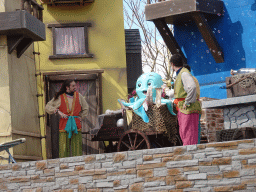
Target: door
89, 86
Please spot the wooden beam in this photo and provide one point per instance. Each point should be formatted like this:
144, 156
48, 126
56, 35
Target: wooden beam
17, 132
70, 25
208, 36
86, 55
23, 45
168, 38
13, 42
95, 71
27, 157
74, 76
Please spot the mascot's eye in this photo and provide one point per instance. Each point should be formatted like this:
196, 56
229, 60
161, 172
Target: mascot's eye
149, 83
139, 85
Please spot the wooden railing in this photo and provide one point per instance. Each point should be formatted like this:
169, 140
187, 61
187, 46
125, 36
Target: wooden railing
33, 8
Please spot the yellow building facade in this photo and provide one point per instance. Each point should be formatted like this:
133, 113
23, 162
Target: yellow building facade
106, 44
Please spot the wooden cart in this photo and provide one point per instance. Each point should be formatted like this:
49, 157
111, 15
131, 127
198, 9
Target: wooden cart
161, 131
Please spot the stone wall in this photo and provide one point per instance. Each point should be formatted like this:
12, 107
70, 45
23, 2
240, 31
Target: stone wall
238, 116
228, 166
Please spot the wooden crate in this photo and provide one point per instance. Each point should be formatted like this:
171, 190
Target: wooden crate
245, 87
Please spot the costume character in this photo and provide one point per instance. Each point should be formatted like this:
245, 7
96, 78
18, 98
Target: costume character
72, 107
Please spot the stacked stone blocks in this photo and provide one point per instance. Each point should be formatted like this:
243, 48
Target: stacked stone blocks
228, 166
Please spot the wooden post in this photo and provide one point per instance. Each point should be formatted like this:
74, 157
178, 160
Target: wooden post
209, 37
22, 2
35, 11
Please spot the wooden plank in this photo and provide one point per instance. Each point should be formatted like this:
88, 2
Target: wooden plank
53, 73
70, 25
179, 8
70, 56
24, 157
75, 76
48, 143
30, 134
53, 41
169, 38
208, 37
86, 40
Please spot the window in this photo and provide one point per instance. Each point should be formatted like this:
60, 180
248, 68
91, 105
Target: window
70, 40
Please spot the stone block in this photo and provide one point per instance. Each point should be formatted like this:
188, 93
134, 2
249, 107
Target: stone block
231, 174
85, 179
152, 184
221, 161
247, 172
151, 166
199, 155
137, 187
104, 184
247, 151
179, 150
129, 164
184, 184
158, 160
89, 159
147, 157
160, 172
174, 171
197, 176
100, 157
182, 157
170, 180
187, 169
182, 163
151, 179
130, 171
223, 188
118, 157
40, 165
208, 169
145, 173
133, 155
214, 176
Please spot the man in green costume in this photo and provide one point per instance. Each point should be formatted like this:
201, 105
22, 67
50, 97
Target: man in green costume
186, 100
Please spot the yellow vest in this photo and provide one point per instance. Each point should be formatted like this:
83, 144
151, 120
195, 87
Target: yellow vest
179, 93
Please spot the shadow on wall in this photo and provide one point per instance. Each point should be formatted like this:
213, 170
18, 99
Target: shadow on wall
229, 37
253, 7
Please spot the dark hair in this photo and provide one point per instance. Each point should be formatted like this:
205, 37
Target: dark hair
188, 67
177, 60
63, 88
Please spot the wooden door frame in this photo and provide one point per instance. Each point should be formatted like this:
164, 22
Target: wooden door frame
77, 75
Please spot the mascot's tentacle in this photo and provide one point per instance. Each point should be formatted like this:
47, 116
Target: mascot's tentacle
169, 105
138, 108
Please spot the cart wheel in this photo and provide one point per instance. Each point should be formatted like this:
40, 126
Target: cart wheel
133, 140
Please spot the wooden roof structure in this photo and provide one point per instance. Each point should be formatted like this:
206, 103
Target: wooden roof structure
181, 12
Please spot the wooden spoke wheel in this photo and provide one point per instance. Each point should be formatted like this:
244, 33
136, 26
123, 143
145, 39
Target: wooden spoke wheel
133, 140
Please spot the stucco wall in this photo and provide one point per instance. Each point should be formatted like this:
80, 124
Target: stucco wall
5, 101
24, 105
226, 166
106, 42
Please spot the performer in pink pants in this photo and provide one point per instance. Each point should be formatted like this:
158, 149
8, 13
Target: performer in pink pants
187, 102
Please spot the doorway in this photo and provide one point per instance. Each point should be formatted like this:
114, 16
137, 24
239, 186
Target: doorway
89, 85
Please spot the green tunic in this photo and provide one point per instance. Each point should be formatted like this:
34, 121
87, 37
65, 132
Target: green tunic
179, 92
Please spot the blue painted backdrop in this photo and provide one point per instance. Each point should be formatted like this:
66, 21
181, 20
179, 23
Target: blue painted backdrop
235, 31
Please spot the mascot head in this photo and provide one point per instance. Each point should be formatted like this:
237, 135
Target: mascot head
145, 80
